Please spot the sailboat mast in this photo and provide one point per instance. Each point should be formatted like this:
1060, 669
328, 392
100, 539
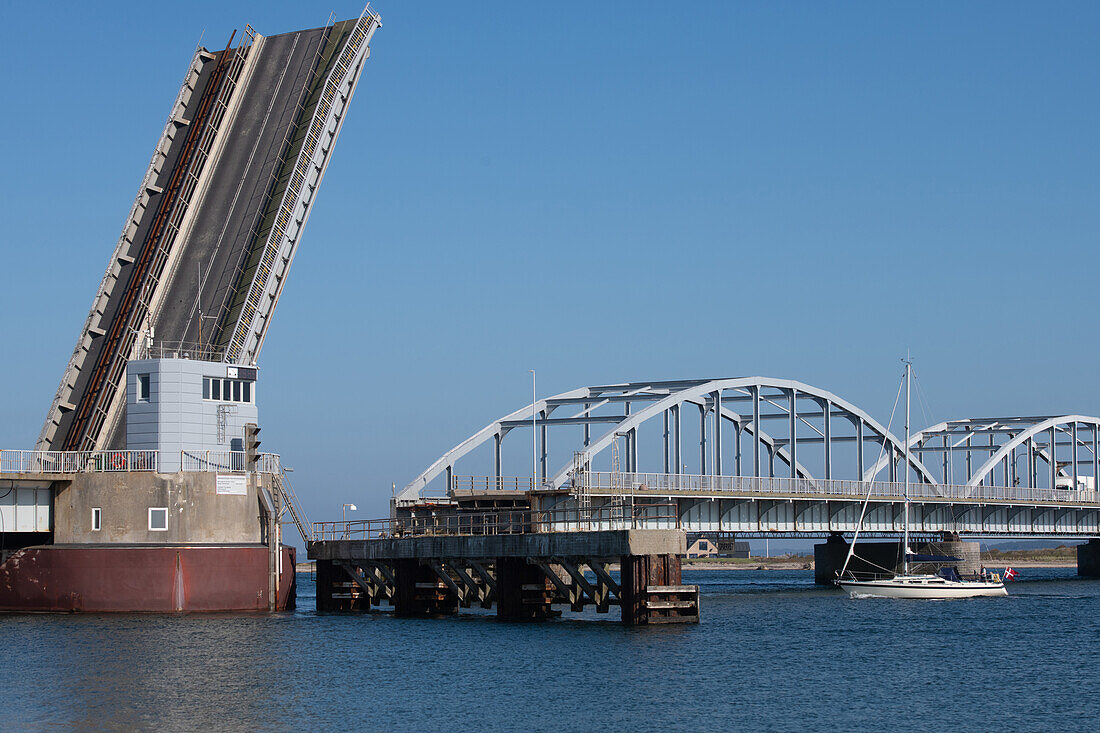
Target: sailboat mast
905, 541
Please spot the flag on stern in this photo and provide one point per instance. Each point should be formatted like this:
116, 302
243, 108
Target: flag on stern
1010, 574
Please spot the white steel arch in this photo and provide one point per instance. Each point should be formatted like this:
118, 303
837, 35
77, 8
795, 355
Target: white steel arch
665, 398
998, 442
701, 389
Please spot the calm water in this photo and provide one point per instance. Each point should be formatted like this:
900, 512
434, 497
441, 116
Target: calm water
773, 652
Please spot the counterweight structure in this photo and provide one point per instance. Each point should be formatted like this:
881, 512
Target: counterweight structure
206, 248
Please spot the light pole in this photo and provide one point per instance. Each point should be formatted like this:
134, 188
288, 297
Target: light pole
344, 515
534, 435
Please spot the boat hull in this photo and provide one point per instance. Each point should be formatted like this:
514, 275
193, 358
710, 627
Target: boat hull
922, 590
162, 579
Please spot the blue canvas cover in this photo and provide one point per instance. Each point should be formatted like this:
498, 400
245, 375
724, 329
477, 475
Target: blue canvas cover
950, 573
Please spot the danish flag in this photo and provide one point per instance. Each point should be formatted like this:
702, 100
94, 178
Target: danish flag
1010, 574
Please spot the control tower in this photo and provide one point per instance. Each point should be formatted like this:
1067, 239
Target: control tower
207, 245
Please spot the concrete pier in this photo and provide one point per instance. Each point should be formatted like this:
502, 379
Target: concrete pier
1088, 559
881, 557
524, 574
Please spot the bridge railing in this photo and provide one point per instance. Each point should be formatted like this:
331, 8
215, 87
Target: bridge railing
493, 483
227, 461
127, 461
108, 461
629, 515
753, 485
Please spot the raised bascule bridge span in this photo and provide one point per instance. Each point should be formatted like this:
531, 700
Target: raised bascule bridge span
146, 490
206, 247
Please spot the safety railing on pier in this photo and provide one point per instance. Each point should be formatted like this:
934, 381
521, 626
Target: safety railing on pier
108, 461
626, 483
493, 483
119, 461
626, 515
228, 461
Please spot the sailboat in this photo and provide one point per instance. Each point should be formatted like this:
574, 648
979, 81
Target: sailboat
907, 584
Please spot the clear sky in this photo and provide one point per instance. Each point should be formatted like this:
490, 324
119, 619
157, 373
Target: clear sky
601, 192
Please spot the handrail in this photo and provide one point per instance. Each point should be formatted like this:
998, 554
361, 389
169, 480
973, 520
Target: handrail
660, 515
107, 461
128, 461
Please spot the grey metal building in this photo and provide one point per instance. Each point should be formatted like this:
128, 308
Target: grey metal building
189, 410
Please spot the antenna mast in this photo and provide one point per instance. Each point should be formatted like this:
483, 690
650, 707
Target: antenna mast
905, 541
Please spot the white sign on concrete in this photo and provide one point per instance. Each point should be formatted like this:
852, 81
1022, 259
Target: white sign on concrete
235, 485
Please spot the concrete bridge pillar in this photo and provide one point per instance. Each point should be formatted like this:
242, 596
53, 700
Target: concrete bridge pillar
523, 591
418, 591
1088, 559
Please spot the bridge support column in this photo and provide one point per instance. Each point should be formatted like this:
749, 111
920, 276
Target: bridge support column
651, 591
871, 558
523, 591
829, 559
1088, 559
324, 586
881, 557
970, 553
419, 591
337, 591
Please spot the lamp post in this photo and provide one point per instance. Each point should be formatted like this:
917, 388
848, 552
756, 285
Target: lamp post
344, 515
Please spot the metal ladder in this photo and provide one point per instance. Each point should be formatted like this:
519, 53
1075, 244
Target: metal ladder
281, 483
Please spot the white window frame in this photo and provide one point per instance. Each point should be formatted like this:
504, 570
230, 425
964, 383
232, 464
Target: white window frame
97, 519
158, 509
148, 390
225, 395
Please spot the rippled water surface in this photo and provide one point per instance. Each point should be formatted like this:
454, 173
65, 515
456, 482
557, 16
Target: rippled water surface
773, 652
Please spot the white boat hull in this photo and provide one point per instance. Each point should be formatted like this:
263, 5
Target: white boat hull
925, 587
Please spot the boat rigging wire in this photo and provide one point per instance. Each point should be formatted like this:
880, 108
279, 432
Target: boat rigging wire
871, 485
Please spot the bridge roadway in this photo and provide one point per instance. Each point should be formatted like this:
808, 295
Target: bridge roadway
763, 506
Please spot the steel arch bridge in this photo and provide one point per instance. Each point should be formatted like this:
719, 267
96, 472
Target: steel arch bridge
765, 455
745, 404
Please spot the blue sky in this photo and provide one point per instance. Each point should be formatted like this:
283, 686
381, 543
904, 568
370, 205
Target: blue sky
602, 192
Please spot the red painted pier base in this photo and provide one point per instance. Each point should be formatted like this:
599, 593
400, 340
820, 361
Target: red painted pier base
100, 579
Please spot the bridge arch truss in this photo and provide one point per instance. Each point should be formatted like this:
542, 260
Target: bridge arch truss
1054, 451
750, 426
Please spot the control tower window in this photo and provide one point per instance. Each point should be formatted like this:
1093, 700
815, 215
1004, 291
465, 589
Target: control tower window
143, 388
228, 390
